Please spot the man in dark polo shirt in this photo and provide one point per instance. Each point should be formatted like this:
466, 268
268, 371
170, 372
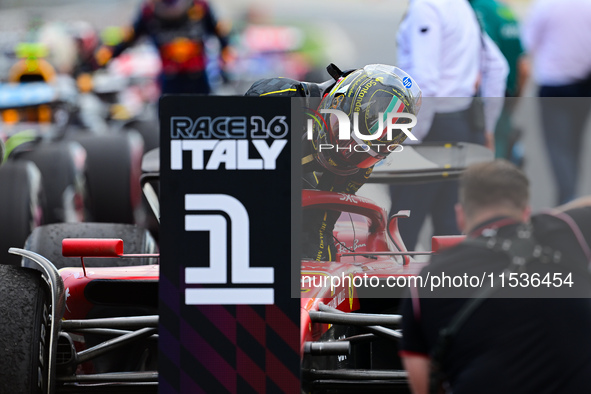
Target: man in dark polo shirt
530, 329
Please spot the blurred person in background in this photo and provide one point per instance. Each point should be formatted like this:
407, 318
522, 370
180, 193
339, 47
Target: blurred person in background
87, 41
501, 25
440, 44
557, 35
179, 29
499, 339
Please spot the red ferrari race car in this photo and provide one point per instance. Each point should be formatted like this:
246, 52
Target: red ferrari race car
71, 322
81, 328
349, 320
81, 312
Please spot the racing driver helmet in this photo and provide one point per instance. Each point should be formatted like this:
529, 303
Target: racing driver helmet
366, 96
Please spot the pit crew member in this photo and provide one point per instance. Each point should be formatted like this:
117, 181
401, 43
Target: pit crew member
518, 335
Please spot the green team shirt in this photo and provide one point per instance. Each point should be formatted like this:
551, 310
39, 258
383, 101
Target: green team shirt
499, 22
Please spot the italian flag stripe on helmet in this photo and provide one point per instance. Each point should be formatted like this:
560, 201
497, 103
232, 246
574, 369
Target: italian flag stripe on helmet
396, 105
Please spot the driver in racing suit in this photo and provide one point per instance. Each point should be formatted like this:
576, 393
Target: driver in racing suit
178, 29
370, 92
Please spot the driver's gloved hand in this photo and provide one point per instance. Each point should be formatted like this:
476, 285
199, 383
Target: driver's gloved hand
317, 235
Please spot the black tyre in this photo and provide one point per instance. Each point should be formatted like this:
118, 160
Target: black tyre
20, 206
47, 241
62, 166
24, 331
149, 131
113, 169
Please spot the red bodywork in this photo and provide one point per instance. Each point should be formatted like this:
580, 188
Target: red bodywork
77, 306
76, 280
362, 227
